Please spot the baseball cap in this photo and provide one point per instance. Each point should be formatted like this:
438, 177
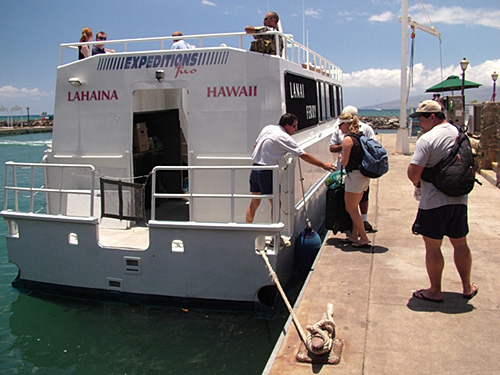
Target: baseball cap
427, 106
350, 109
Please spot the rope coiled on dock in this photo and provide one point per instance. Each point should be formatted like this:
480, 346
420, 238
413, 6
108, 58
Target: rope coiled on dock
322, 330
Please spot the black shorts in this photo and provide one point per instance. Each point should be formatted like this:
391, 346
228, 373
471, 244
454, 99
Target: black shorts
261, 181
364, 198
450, 221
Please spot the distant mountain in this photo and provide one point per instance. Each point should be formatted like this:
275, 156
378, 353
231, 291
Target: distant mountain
481, 94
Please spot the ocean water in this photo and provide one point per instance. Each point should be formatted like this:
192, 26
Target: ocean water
384, 112
44, 335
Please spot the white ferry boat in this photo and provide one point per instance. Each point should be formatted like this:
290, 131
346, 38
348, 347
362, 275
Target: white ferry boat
145, 188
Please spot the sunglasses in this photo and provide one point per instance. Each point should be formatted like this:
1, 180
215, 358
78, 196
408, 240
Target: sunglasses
101, 38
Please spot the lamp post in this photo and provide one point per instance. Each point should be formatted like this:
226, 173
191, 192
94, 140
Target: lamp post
464, 65
494, 77
28, 110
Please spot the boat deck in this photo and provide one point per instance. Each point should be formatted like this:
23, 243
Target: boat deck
385, 330
137, 237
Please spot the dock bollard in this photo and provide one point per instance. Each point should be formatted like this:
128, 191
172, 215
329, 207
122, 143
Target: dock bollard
324, 347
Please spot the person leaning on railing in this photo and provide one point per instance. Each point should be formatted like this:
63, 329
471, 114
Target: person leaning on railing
265, 43
99, 48
274, 142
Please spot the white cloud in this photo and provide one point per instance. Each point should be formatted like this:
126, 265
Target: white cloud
458, 16
422, 77
8, 92
206, 2
369, 86
373, 78
315, 13
384, 17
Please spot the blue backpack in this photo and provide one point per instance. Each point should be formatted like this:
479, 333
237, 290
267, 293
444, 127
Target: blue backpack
375, 161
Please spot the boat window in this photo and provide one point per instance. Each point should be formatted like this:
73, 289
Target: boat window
321, 116
340, 99
333, 111
328, 112
302, 99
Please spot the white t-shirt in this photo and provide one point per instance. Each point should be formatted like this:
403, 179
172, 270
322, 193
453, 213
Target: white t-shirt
430, 148
181, 44
272, 144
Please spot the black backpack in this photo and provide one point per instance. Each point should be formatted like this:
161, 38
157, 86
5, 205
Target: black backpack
455, 175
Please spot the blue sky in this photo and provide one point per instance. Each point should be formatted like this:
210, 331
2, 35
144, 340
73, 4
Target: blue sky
363, 37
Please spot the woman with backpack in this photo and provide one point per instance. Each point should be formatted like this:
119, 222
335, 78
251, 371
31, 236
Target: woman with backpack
355, 183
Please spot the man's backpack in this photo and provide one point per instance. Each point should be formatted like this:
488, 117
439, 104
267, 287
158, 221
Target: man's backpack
262, 45
375, 161
455, 175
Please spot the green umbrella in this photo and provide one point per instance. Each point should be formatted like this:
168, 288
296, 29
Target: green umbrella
452, 83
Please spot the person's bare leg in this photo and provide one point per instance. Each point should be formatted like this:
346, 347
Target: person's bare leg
363, 207
463, 262
434, 263
252, 209
352, 207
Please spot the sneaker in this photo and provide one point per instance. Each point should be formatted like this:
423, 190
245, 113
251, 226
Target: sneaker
369, 228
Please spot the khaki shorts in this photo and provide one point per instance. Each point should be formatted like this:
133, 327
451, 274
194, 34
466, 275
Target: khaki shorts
355, 182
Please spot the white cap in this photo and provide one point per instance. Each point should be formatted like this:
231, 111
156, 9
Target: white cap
351, 110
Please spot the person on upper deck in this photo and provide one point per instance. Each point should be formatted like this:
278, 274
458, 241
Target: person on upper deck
99, 48
355, 183
274, 142
265, 43
180, 43
84, 51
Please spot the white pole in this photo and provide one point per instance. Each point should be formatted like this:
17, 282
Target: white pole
303, 23
402, 144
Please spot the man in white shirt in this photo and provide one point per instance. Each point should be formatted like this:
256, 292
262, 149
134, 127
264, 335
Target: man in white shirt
438, 214
336, 147
274, 142
180, 43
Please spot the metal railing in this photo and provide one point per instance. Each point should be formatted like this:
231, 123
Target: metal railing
30, 190
231, 182
293, 51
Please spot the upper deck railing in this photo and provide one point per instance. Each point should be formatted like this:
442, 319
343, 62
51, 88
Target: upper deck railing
292, 51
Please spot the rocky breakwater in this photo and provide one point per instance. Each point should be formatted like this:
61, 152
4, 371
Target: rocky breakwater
25, 128
381, 122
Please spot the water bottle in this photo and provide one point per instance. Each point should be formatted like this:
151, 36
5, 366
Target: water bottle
417, 193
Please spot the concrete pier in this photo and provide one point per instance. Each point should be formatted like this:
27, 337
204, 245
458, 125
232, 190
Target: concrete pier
24, 130
385, 330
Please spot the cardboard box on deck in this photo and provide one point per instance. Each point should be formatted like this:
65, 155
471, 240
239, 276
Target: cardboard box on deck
141, 139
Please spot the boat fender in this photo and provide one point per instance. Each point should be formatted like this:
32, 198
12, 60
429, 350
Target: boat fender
307, 247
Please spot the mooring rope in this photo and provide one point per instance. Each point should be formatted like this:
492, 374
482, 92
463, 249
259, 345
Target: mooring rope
300, 330
323, 330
